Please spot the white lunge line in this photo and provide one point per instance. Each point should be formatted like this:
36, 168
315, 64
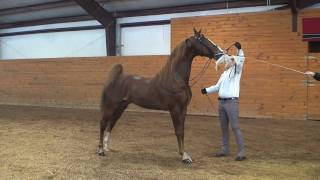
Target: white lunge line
281, 66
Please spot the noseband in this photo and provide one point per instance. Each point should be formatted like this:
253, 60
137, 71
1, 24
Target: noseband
216, 56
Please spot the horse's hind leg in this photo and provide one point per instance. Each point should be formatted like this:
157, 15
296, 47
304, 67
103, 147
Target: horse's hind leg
117, 114
106, 117
105, 132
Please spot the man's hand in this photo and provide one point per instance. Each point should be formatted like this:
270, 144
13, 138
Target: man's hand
309, 73
204, 91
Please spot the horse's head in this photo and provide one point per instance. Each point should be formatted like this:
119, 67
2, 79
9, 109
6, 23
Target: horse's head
205, 47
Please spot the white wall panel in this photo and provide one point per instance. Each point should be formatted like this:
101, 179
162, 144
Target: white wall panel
146, 40
51, 45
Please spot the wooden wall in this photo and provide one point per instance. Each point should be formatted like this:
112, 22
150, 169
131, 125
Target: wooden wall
266, 91
71, 82
313, 64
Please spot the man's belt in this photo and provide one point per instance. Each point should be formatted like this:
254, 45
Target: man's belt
231, 98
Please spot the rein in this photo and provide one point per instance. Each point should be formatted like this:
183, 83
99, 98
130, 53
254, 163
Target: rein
206, 66
201, 73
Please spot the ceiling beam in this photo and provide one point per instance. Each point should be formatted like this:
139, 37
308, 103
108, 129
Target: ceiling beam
42, 6
95, 10
307, 3
198, 7
105, 18
45, 21
36, 7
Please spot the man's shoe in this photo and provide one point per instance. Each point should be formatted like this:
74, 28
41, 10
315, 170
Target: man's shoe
240, 158
220, 154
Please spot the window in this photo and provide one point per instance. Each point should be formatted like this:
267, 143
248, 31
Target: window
145, 40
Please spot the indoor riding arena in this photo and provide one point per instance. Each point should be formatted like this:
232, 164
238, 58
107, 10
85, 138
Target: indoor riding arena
73, 70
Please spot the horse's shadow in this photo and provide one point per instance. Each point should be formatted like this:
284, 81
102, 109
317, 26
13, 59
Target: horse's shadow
142, 159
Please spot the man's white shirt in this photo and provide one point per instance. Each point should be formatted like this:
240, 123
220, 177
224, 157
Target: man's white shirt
229, 82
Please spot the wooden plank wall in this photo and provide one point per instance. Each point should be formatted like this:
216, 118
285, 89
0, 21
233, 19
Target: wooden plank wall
71, 82
313, 65
266, 91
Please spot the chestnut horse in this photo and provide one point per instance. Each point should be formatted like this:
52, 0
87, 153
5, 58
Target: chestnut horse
168, 90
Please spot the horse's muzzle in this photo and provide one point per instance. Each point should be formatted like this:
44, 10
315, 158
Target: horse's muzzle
217, 56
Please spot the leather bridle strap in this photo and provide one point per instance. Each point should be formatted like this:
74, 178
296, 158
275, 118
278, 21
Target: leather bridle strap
207, 47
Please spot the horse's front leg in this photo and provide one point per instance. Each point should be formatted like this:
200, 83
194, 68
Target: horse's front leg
178, 115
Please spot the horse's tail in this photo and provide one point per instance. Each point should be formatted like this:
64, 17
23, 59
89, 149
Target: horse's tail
113, 76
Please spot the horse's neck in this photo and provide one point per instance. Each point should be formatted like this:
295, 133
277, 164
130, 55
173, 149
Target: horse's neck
182, 67
178, 67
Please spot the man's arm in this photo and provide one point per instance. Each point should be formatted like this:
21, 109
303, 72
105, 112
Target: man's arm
213, 88
315, 75
239, 61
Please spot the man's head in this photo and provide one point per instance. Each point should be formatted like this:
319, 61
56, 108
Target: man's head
237, 45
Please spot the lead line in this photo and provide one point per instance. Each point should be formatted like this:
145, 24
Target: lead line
281, 66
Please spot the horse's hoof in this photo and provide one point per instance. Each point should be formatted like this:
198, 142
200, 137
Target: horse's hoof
187, 161
101, 152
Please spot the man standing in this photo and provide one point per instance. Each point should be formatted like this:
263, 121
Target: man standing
228, 88
315, 75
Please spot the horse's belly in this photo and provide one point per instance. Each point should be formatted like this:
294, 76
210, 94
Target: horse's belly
149, 103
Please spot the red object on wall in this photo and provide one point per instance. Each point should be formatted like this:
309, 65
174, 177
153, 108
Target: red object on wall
311, 29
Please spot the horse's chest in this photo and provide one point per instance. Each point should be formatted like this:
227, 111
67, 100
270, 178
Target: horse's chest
181, 97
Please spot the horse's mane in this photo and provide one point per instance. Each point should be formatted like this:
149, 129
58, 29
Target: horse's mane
166, 76
177, 54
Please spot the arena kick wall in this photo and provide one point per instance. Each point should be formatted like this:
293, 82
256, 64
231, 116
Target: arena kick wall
266, 91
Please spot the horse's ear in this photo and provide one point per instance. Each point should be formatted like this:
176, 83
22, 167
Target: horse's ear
195, 31
200, 31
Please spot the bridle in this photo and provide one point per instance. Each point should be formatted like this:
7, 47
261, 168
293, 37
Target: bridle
216, 56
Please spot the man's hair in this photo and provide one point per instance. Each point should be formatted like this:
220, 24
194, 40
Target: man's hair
237, 45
